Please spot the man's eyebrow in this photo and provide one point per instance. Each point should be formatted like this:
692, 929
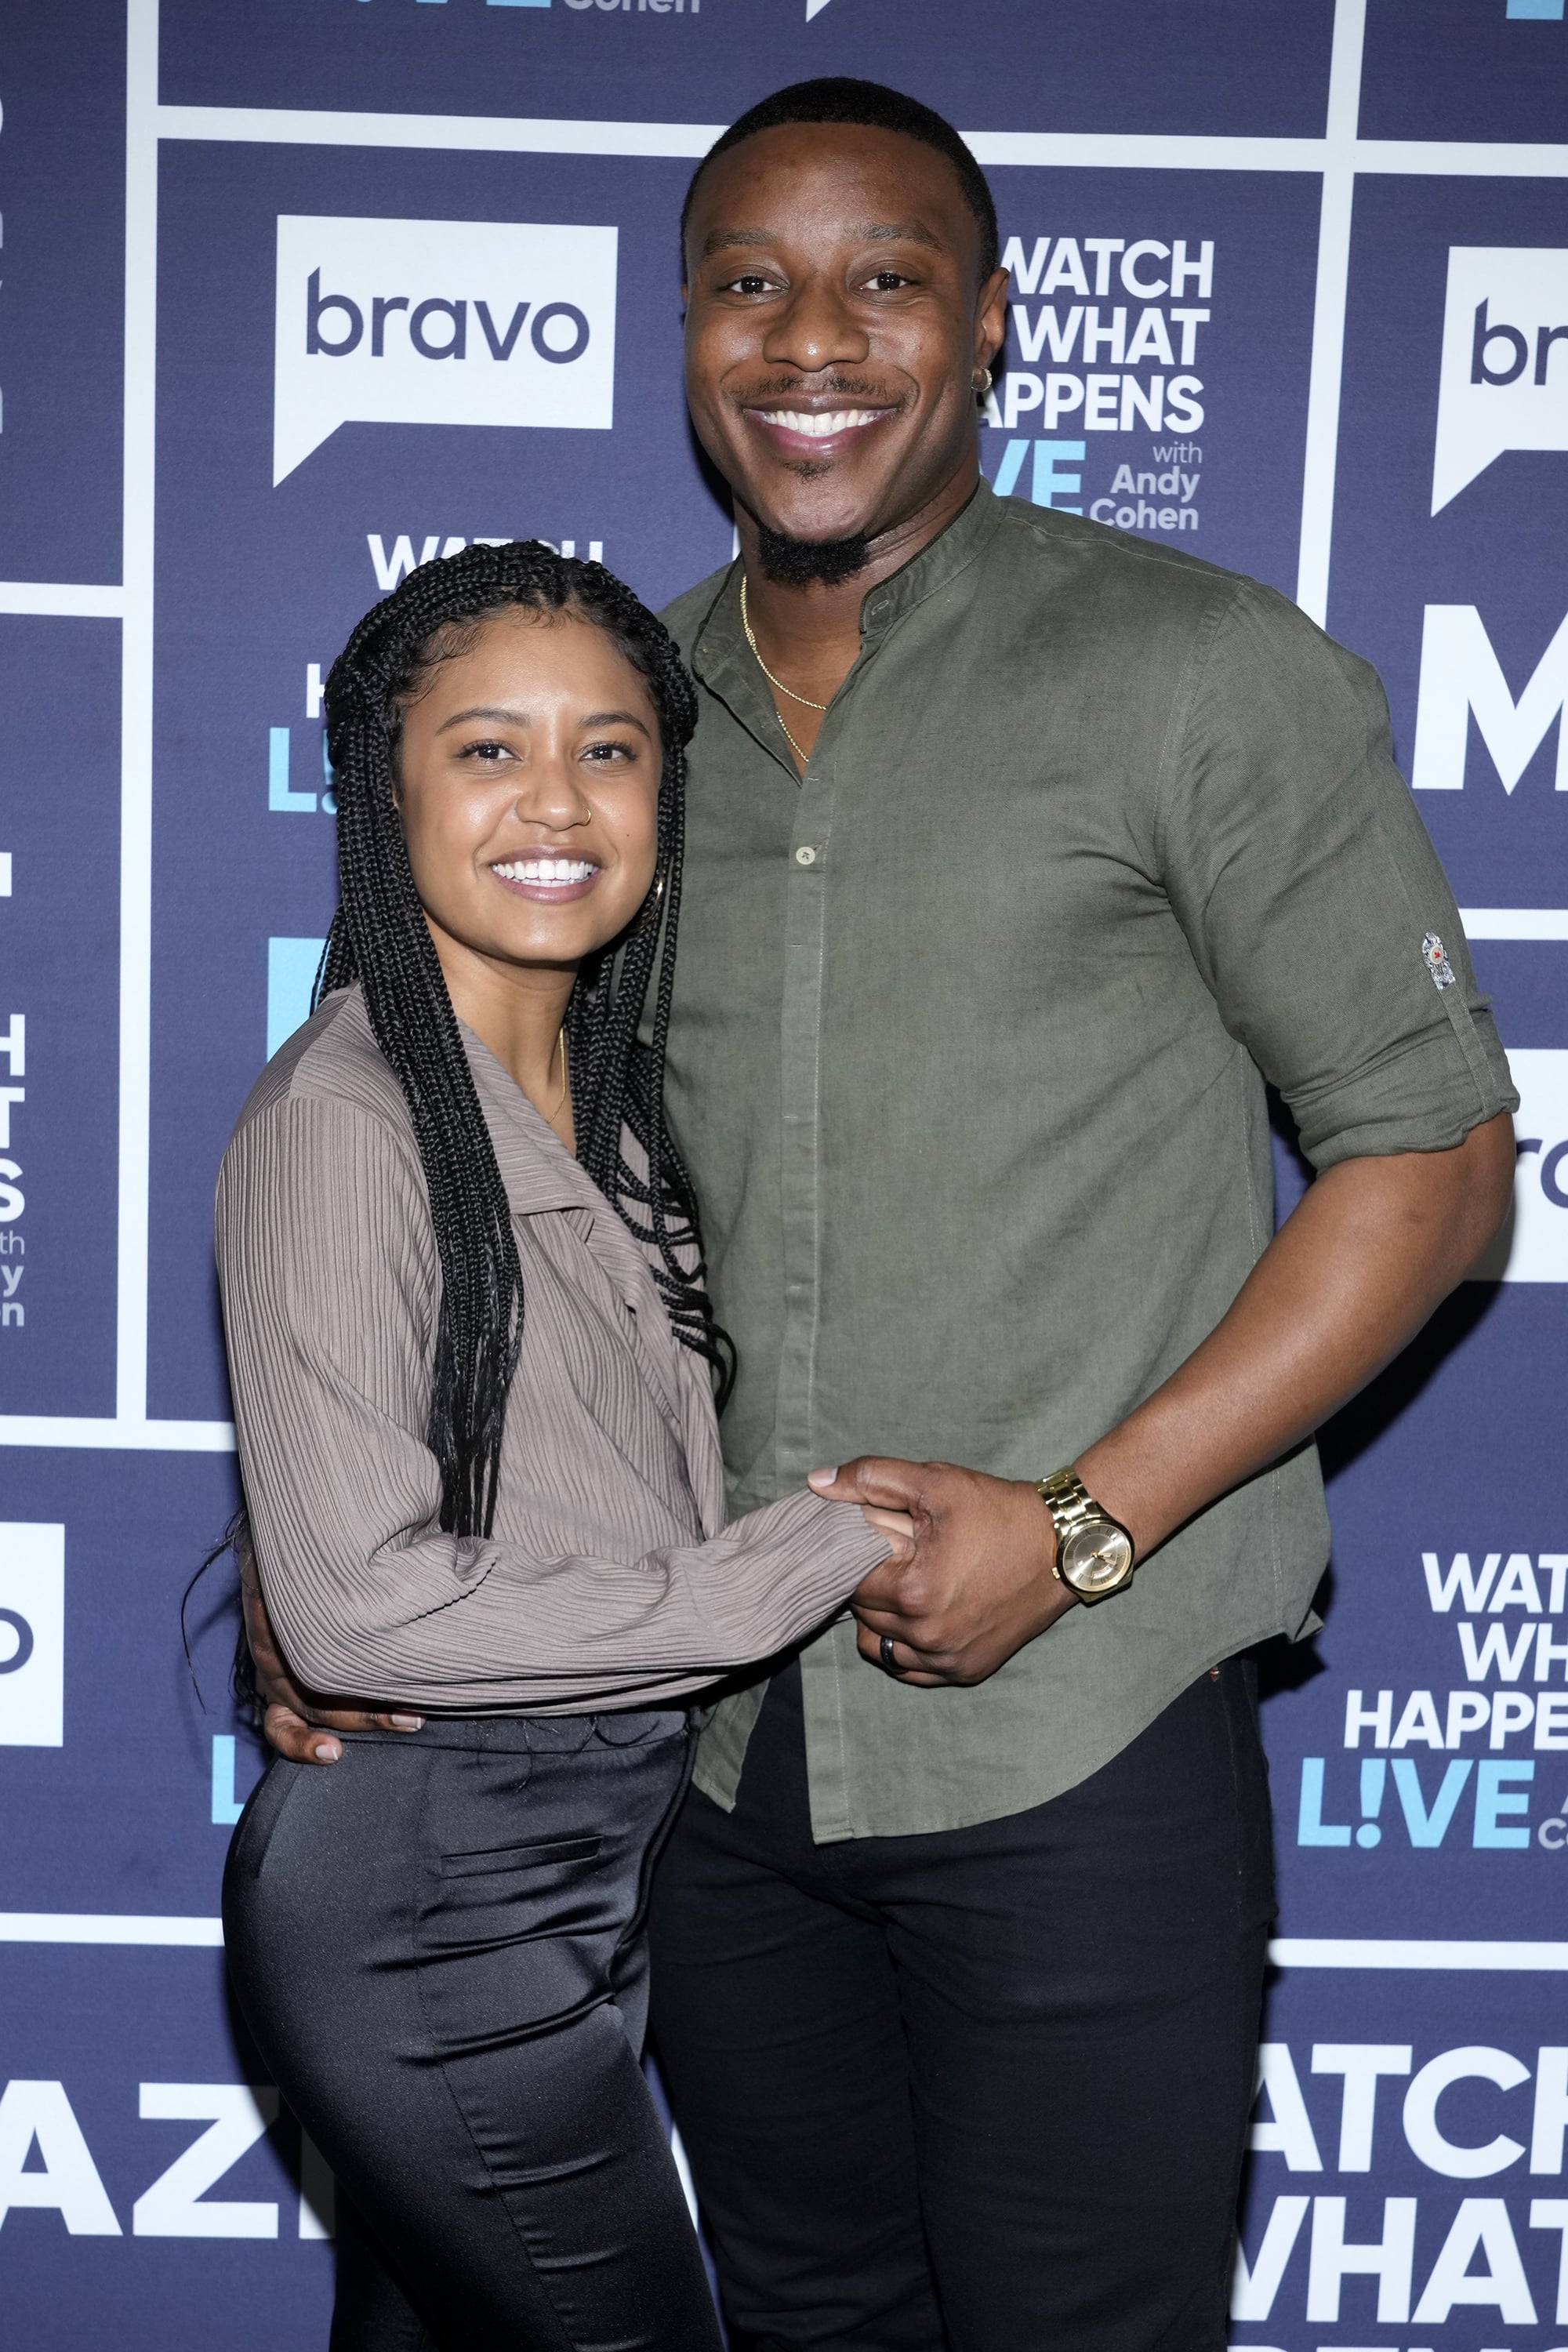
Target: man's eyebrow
863, 233
717, 239
899, 232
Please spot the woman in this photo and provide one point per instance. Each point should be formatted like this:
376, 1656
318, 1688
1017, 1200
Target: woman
471, 1358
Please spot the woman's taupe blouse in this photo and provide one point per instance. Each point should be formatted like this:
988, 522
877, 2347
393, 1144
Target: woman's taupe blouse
610, 1580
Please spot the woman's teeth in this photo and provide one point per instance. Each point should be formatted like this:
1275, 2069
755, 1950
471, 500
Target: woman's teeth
818, 426
545, 870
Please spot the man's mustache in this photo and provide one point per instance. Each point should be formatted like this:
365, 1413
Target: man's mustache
862, 389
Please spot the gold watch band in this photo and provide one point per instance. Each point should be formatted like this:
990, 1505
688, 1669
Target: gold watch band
1072, 1507
1070, 1502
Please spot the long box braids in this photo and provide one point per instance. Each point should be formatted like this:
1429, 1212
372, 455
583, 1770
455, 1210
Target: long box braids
380, 938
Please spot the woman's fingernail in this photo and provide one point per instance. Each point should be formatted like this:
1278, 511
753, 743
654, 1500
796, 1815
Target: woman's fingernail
821, 1477
407, 1722
328, 1752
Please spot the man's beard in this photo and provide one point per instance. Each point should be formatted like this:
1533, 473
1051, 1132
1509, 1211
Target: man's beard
798, 562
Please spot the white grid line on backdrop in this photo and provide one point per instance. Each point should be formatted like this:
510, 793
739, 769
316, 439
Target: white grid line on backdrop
1459, 1955
136, 711
1328, 310
1340, 157
57, 600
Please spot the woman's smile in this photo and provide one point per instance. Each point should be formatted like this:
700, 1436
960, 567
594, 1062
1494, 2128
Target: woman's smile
550, 881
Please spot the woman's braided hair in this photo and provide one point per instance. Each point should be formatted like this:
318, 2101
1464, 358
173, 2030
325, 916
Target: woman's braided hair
379, 938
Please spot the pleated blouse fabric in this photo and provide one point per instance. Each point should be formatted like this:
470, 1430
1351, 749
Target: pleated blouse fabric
611, 1579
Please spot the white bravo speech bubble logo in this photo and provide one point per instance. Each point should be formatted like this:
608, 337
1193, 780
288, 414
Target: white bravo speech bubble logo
32, 1633
1533, 1244
1504, 382
439, 322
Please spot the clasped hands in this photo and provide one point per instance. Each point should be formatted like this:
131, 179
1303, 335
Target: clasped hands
969, 1579
967, 1582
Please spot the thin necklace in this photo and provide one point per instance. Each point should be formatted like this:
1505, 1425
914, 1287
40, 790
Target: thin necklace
565, 1075
800, 753
745, 624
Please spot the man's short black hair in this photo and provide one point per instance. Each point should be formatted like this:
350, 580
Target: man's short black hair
839, 98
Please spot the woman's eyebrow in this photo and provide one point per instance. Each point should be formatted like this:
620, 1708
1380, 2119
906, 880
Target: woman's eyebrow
615, 719
525, 718
486, 710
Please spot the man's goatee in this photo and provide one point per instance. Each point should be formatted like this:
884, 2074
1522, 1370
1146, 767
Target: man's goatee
797, 562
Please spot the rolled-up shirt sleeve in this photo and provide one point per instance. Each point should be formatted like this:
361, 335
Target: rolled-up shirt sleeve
1312, 899
327, 1272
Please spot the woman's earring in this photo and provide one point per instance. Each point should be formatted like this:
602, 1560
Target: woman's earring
982, 389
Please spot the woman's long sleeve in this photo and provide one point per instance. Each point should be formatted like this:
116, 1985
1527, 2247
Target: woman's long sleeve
596, 1587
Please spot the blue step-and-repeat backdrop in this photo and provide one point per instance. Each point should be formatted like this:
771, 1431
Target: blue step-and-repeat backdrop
298, 295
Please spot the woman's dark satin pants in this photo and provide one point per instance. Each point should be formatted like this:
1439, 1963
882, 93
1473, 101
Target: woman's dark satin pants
437, 1945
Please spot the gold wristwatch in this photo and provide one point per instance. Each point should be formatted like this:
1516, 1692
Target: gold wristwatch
1095, 1553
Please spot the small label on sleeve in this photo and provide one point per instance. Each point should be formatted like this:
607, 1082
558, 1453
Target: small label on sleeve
1435, 955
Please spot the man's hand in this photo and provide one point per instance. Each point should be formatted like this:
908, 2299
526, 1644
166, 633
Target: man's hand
294, 1723
980, 1583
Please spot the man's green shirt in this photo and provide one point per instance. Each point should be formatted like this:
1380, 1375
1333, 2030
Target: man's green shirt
970, 1037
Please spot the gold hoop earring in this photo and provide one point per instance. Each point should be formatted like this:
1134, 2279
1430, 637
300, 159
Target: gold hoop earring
982, 391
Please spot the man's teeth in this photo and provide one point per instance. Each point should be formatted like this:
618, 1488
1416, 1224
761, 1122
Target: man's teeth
818, 424
545, 870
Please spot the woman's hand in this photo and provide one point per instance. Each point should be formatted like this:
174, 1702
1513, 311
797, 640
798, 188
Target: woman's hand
292, 1723
899, 1530
975, 1585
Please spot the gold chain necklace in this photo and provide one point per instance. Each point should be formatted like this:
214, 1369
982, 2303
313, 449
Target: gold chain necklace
801, 754
751, 640
565, 1075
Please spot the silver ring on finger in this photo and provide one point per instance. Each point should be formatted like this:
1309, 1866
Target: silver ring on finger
885, 1652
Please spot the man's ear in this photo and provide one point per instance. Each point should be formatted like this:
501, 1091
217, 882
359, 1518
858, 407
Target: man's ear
991, 318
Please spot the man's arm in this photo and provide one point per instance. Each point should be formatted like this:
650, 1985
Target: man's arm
1373, 1248
294, 1723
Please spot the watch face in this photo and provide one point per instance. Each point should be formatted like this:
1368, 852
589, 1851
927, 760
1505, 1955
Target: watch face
1097, 1558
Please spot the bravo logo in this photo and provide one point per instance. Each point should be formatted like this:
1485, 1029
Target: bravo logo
439, 322
1533, 1244
32, 1635
1504, 382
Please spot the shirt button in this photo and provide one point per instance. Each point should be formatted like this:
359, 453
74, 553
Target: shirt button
805, 856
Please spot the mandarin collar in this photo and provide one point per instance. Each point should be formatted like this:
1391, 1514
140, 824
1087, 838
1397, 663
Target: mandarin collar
722, 660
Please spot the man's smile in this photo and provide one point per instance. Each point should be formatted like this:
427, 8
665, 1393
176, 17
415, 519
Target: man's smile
801, 429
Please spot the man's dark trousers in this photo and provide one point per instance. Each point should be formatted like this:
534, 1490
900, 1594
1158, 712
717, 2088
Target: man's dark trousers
983, 2090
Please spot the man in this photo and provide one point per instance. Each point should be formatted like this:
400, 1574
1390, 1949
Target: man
1020, 854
